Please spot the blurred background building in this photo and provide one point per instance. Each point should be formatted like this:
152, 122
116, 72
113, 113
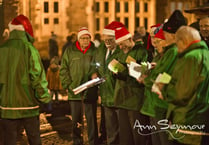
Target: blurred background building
66, 16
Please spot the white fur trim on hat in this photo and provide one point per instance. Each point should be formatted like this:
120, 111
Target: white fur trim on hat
83, 31
15, 27
108, 32
125, 37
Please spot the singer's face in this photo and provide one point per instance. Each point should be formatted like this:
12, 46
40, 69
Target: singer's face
204, 27
109, 41
84, 41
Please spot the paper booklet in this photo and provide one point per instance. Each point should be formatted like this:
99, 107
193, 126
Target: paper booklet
162, 78
136, 70
88, 84
115, 66
130, 59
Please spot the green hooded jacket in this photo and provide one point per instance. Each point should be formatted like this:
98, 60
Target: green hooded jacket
129, 94
23, 82
188, 92
76, 69
153, 106
107, 88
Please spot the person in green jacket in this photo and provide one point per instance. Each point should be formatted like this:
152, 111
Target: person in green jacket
106, 52
23, 84
129, 94
78, 67
188, 93
153, 106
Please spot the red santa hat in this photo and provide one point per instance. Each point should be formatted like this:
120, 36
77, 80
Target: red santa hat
154, 30
122, 34
21, 23
110, 28
83, 31
160, 34
154, 27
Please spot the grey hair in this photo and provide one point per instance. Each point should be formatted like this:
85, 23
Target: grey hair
187, 33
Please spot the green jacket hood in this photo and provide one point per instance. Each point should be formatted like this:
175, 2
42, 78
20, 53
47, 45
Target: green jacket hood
21, 35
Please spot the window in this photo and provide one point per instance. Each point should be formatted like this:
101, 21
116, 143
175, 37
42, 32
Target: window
145, 7
126, 22
118, 19
173, 6
97, 24
56, 7
187, 6
137, 7
46, 7
126, 7
145, 23
117, 6
106, 21
56, 21
46, 20
97, 7
137, 22
180, 6
106, 7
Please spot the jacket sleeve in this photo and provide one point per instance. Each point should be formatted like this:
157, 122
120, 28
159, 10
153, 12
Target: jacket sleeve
64, 71
38, 77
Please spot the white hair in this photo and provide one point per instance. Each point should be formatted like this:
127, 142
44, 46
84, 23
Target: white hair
187, 34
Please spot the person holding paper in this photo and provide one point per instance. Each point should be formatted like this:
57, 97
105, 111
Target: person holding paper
77, 68
188, 91
129, 93
106, 52
154, 106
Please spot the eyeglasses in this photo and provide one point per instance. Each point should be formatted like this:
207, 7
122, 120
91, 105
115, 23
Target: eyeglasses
109, 40
84, 38
204, 26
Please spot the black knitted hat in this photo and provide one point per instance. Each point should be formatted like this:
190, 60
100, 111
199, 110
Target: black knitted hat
175, 21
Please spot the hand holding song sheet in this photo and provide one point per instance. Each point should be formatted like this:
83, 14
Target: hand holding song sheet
115, 66
136, 70
161, 80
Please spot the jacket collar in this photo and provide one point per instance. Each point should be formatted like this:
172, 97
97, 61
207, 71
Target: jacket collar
169, 46
79, 48
16, 34
194, 46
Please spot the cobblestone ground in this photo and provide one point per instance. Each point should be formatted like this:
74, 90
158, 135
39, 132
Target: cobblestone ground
56, 127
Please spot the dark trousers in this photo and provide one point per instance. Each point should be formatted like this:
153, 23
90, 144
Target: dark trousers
1, 133
77, 111
176, 143
31, 125
91, 118
205, 139
77, 114
129, 136
159, 138
112, 126
102, 128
